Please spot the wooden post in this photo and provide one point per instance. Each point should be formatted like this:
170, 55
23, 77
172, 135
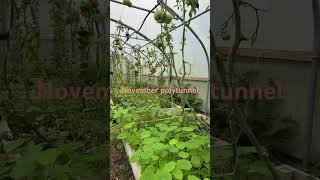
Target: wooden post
4, 20
5, 131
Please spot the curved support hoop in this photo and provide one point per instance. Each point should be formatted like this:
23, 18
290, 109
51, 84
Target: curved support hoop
132, 47
143, 36
144, 20
136, 7
189, 20
171, 11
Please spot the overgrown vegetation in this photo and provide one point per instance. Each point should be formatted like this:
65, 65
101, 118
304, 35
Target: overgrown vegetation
53, 138
263, 116
244, 122
167, 145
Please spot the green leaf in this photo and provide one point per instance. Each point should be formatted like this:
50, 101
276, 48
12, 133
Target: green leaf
159, 146
149, 140
196, 161
146, 155
148, 173
193, 144
206, 157
147, 176
246, 150
169, 167
26, 165
259, 167
149, 169
205, 172
123, 135
193, 177
58, 172
48, 157
97, 154
173, 149
162, 127
181, 145
163, 176
155, 157
79, 167
184, 164
135, 157
145, 134
183, 154
177, 173
187, 129
223, 153
23, 167
173, 141
172, 128
70, 147
9, 146
120, 146
164, 154
129, 125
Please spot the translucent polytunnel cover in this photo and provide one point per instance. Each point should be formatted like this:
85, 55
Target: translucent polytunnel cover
195, 56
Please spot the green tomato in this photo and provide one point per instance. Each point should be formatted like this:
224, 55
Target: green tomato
168, 18
226, 36
117, 42
35, 43
159, 44
127, 3
159, 16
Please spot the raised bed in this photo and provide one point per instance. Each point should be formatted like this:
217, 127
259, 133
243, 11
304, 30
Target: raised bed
289, 173
136, 168
223, 167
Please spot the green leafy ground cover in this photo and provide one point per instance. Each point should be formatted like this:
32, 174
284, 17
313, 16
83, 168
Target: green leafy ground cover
250, 166
167, 146
55, 140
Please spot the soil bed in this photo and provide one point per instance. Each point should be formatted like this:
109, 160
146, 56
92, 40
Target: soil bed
120, 168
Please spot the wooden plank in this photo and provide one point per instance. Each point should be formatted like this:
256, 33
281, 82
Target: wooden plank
204, 118
296, 173
136, 168
194, 78
189, 78
282, 54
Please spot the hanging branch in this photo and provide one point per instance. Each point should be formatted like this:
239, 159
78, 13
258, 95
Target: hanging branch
235, 121
171, 11
254, 36
224, 26
136, 38
6, 36
133, 6
142, 35
237, 40
183, 40
144, 20
183, 23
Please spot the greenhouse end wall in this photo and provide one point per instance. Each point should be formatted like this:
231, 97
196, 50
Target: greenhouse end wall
294, 75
